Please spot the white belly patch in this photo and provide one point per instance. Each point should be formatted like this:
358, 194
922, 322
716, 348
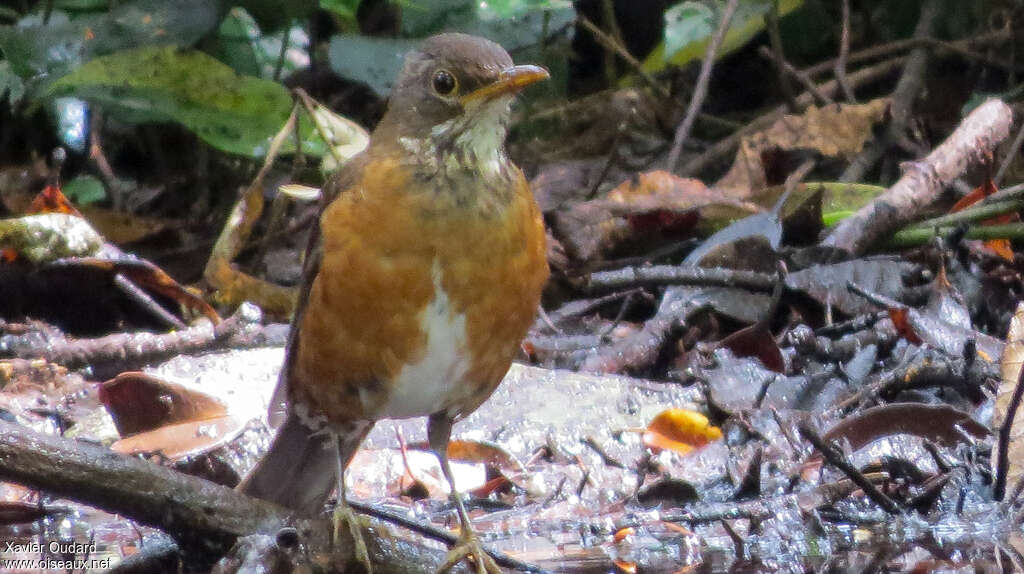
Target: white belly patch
433, 383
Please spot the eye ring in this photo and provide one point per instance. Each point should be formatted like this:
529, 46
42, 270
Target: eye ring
444, 83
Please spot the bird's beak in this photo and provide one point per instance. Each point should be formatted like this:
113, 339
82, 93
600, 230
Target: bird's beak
510, 81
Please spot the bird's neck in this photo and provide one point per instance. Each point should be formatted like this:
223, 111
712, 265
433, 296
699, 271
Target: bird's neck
462, 166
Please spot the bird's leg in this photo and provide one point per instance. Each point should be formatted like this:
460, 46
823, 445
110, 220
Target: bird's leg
439, 430
344, 513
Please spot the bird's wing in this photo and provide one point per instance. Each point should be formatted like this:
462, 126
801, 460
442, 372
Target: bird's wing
342, 180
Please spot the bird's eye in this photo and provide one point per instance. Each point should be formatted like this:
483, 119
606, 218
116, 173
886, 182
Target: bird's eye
444, 83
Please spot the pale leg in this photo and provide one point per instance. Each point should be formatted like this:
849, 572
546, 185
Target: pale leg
439, 430
344, 513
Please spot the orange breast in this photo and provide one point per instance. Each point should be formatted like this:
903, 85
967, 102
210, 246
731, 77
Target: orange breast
388, 258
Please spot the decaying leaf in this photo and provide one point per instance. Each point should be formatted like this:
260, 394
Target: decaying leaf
837, 131
1009, 368
140, 402
182, 440
642, 211
680, 430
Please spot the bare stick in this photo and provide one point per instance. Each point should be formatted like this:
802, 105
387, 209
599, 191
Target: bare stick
787, 69
726, 145
844, 54
1010, 154
775, 38
972, 142
701, 91
1003, 461
910, 84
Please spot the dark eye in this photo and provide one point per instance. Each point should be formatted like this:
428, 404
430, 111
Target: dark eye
444, 82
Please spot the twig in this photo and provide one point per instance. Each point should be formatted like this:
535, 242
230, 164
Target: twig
701, 91
907, 88
973, 140
655, 275
844, 53
836, 459
726, 145
609, 43
960, 47
1010, 154
787, 69
1003, 460
775, 38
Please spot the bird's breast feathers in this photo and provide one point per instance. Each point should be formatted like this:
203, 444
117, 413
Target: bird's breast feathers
414, 310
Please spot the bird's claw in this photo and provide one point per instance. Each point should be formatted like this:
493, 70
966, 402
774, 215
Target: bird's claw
467, 546
344, 513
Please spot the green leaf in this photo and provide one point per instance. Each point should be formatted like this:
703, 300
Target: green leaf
53, 49
273, 15
344, 11
11, 86
687, 23
372, 61
747, 22
236, 114
85, 189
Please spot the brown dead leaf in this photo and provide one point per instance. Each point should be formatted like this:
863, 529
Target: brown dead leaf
1000, 247
151, 277
1009, 367
680, 430
642, 211
901, 319
835, 131
232, 286
140, 402
177, 441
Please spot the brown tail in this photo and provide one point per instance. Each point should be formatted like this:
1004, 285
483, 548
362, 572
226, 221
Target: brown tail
299, 471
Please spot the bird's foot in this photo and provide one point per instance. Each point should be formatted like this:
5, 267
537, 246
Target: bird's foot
344, 513
468, 546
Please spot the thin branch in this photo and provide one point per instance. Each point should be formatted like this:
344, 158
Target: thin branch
609, 43
787, 69
836, 459
701, 91
1003, 461
909, 86
973, 140
844, 54
1010, 154
775, 38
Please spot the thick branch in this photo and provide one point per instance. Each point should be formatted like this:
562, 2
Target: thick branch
974, 140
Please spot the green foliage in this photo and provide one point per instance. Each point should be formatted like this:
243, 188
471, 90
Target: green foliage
518, 25
274, 15
51, 50
11, 85
344, 12
84, 190
236, 114
690, 25
687, 23
372, 61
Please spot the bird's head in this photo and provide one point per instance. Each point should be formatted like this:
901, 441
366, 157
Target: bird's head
451, 101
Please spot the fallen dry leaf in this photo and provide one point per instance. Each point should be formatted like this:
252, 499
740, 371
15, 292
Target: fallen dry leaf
1009, 368
836, 131
680, 430
140, 402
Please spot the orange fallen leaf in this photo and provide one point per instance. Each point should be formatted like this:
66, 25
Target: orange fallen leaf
1000, 247
52, 200
622, 533
627, 567
901, 319
681, 430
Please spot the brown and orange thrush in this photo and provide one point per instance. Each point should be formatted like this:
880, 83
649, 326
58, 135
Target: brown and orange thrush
421, 280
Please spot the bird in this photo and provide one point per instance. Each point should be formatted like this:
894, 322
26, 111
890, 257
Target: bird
422, 276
